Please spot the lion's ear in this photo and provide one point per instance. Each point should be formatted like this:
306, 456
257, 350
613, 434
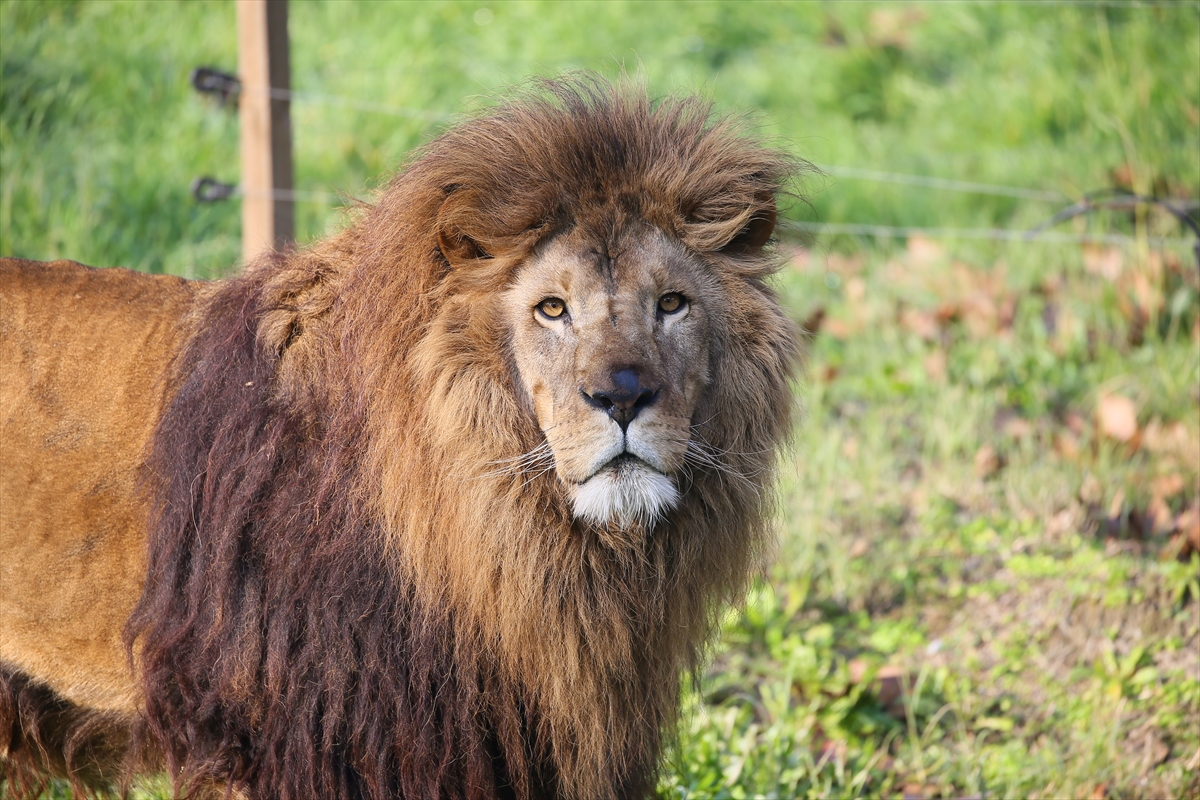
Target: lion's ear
453, 241
755, 233
740, 234
459, 248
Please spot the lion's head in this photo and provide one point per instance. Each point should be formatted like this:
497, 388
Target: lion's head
612, 348
509, 436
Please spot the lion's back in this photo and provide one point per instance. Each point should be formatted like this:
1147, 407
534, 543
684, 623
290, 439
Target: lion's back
83, 353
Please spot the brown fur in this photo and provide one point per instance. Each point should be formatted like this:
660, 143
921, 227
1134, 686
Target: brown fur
343, 596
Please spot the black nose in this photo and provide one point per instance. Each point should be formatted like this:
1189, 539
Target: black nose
624, 397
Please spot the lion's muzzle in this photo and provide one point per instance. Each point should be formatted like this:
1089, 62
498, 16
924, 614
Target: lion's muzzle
623, 398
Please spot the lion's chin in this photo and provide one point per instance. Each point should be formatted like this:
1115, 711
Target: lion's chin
624, 493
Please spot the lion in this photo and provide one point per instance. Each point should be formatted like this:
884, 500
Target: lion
442, 505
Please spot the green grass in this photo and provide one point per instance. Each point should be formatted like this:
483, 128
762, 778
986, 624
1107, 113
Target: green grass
1048, 642
976, 590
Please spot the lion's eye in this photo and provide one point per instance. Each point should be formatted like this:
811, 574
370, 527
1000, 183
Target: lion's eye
552, 308
671, 302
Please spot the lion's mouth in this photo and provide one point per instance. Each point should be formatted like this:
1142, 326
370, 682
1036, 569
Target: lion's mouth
623, 462
624, 491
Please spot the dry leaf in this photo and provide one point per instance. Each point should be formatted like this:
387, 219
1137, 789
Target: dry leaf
1066, 444
1188, 523
1090, 492
850, 448
1170, 439
890, 27
987, 461
856, 289
1167, 486
844, 265
1116, 417
1122, 175
800, 258
935, 366
923, 251
889, 684
1017, 428
1103, 262
1116, 506
980, 315
1158, 516
922, 323
838, 328
812, 323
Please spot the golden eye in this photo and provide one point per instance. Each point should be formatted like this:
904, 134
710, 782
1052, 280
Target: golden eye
552, 308
671, 302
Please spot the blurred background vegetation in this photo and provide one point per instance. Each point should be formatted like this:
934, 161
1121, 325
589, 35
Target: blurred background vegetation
102, 134
987, 582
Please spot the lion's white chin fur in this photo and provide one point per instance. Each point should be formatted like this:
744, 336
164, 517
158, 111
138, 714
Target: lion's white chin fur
623, 494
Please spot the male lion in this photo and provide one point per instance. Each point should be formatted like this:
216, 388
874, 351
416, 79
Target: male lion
440, 506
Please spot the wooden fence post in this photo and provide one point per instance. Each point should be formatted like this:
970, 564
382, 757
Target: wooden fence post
268, 215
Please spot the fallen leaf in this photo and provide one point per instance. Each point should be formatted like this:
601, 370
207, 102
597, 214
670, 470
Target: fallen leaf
947, 313
1146, 294
832, 750
935, 366
1018, 428
1090, 491
850, 448
1116, 417
889, 685
1170, 439
889, 27
1103, 262
980, 315
1189, 523
1187, 540
1066, 444
987, 461
844, 265
1154, 750
800, 259
922, 323
1075, 423
856, 289
923, 251
1158, 516
1121, 176
812, 323
1165, 487
838, 328
1116, 506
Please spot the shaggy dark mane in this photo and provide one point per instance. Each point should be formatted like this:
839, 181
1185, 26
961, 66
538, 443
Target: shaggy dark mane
340, 601
279, 646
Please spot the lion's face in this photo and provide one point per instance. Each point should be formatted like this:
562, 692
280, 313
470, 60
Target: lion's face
611, 343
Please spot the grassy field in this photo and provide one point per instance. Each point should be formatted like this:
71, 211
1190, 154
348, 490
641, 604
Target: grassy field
988, 577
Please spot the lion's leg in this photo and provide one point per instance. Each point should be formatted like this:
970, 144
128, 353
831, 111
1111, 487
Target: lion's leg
43, 736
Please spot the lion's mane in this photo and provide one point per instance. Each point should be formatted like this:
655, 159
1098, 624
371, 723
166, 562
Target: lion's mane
345, 597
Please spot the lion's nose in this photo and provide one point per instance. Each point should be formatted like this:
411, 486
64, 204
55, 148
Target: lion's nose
624, 398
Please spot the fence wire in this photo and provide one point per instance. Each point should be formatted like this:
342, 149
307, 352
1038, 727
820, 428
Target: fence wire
835, 170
